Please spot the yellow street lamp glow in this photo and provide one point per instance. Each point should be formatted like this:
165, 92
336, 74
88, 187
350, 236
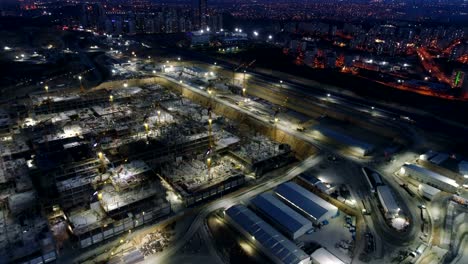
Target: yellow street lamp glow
46, 88
100, 155
146, 126
209, 91
125, 85
276, 120
159, 112
210, 120
79, 77
99, 196
111, 98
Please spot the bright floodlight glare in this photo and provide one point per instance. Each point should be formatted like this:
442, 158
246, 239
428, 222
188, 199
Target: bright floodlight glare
328, 95
79, 78
270, 37
255, 33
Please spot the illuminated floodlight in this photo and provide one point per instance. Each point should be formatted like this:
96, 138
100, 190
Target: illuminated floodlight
255, 33
270, 37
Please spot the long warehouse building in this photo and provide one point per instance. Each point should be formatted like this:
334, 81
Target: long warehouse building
290, 222
271, 242
388, 202
353, 144
430, 177
309, 204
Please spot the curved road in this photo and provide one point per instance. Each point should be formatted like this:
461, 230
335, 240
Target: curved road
388, 235
230, 200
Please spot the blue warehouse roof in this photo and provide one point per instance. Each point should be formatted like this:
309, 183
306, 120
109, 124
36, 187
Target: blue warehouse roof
304, 200
271, 240
282, 214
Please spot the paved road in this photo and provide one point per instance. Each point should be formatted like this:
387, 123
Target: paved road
230, 200
424, 120
462, 257
386, 234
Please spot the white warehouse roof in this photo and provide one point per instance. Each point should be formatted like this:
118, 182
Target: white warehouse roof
307, 202
428, 189
292, 222
323, 256
269, 238
431, 174
387, 199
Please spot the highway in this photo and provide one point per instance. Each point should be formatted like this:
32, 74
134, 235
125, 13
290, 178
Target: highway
385, 233
388, 235
309, 88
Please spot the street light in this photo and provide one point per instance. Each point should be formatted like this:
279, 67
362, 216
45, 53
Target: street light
125, 85
255, 33
270, 37
46, 88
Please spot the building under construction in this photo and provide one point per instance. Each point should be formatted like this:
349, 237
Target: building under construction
105, 162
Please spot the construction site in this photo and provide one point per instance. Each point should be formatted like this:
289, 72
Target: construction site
82, 168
